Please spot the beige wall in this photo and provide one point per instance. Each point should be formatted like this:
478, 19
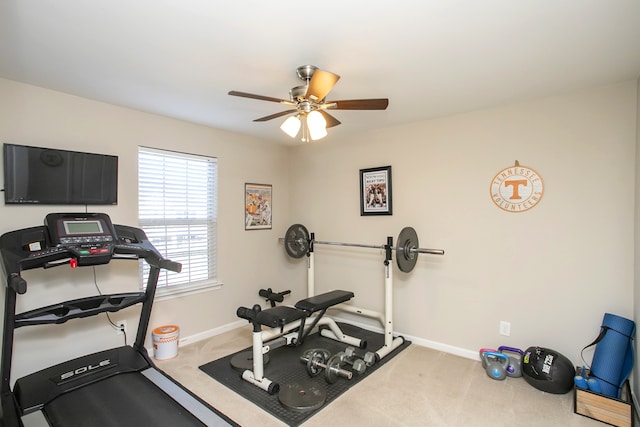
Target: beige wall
552, 271
247, 260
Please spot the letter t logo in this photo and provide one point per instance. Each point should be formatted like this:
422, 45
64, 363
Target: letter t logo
516, 183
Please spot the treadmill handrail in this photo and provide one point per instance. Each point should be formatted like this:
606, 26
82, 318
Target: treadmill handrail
16, 259
78, 308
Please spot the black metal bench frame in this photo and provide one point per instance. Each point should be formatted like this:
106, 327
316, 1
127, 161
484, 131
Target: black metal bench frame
288, 326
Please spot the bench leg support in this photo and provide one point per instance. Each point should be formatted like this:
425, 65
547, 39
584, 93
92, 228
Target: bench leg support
335, 333
256, 377
264, 383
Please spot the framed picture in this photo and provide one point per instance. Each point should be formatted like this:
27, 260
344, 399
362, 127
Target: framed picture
375, 191
258, 205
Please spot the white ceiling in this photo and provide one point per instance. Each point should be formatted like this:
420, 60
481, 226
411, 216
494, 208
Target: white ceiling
429, 57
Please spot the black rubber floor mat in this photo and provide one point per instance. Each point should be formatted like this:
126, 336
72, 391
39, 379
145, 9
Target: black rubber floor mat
285, 367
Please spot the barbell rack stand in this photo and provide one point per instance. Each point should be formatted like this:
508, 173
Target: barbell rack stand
407, 236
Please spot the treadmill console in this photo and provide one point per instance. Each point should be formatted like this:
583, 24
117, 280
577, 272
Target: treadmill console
90, 237
77, 239
80, 229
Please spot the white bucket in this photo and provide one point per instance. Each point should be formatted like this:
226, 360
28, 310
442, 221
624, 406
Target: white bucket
165, 342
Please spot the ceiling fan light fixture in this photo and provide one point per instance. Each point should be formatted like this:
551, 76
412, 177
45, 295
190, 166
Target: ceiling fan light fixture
317, 125
291, 126
309, 104
318, 134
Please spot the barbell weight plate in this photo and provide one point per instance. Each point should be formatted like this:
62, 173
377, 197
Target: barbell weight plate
296, 241
332, 368
406, 249
306, 355
243, 361
315, 361
302, 397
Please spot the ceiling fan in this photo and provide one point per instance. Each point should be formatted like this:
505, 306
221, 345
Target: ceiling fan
309, 104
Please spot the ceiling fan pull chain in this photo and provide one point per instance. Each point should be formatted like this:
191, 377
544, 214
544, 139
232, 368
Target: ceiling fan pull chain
304, 129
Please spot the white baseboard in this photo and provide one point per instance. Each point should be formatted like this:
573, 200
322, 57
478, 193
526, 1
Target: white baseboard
182, 341
462, 352
211, 332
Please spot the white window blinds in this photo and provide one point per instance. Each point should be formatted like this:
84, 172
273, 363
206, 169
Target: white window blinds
177, 209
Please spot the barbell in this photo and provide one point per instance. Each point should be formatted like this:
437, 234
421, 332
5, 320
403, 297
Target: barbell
297, 242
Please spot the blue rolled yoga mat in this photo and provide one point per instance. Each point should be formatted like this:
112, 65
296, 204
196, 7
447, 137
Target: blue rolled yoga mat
613, 357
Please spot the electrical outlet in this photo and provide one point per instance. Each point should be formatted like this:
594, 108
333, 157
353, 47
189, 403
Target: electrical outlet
121, 327
505, 328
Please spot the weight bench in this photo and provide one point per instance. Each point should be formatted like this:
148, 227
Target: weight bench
289, 325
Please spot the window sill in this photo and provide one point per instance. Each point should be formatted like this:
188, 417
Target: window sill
186, 290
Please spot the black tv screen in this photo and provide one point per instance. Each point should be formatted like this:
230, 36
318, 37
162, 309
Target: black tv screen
37, 175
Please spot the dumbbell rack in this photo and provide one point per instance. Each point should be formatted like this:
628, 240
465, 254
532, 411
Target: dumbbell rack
386, 318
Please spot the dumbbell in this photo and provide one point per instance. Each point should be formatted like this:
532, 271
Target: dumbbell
369, 357
495, 364
316, 360
514, 369
357, 365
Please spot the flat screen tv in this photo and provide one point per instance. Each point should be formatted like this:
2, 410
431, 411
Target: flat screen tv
37, 175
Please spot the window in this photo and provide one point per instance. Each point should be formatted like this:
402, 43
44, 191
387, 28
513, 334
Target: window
177, 209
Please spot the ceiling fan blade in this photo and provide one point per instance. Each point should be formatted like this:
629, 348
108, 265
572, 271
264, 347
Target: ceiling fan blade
360, 104
321, 84
260, 97
275, 116
331, 121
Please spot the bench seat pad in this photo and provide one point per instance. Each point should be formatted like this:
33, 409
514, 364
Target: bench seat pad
279, 316
322, 301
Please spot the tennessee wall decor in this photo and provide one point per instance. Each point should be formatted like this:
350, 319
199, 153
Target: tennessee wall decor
516, 188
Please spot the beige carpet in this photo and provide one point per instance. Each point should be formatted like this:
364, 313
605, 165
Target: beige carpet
419, 387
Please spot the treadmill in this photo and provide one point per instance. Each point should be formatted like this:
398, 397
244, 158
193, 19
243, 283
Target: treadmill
116, 387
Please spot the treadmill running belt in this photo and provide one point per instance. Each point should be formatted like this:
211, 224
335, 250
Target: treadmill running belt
123, 400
